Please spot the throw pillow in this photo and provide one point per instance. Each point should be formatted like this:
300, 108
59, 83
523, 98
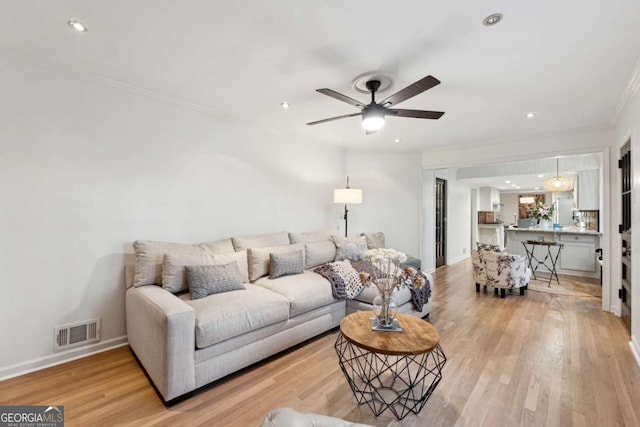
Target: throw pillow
259, 258
174, 275
488, 247
284, 264
205, 280
352, 248
319, 253
150, 256
374, 240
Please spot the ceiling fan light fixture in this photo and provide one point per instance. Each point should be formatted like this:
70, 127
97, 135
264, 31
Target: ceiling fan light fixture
372, 120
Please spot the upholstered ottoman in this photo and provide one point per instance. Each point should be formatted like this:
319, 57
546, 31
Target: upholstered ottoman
287, 417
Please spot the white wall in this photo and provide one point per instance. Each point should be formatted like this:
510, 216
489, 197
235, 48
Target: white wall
391, 185
87, 167
458, 218
628, 126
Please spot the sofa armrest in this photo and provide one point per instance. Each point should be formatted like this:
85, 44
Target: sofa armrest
161, 332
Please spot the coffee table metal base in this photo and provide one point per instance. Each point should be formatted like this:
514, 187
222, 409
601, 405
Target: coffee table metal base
401, 384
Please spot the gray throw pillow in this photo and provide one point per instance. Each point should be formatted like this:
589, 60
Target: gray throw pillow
205, 280
351, 252
287, 263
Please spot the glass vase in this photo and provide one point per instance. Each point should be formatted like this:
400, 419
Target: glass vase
385, 309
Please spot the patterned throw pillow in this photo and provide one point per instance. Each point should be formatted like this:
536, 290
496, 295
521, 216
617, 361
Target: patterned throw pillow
488, 247
205, 280
374, 240
287, 263
352, 248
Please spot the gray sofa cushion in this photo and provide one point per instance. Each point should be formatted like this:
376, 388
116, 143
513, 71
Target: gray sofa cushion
229, 314
150, 255
313, 236
260, 240
305, 292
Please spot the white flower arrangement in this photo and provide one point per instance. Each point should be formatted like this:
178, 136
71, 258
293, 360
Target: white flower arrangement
388, 274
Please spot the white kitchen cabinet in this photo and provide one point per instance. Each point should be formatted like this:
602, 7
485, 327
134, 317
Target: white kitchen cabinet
488, 199
578, 253
588, 193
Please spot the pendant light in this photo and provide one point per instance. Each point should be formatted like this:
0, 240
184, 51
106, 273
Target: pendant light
558, 183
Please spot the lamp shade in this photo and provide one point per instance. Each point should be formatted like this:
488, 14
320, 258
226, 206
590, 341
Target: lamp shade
558, 184
347, 195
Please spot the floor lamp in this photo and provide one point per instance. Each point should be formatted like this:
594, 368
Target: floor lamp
347, 196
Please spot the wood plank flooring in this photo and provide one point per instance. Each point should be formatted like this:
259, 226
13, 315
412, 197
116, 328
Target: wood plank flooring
533, 360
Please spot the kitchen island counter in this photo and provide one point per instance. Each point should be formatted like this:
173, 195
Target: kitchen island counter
578, 256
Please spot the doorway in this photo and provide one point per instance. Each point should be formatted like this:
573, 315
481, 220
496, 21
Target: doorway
441, 221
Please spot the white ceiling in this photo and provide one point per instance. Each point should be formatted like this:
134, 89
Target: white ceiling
567, 60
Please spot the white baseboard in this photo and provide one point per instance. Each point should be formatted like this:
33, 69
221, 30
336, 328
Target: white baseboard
635, 348
454, 261
33, 365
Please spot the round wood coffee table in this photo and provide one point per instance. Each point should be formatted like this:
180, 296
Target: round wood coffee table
390, 370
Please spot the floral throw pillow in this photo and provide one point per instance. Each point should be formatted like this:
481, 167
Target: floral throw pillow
488, 247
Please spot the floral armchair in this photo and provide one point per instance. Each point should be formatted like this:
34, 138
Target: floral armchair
479, 270
504, 271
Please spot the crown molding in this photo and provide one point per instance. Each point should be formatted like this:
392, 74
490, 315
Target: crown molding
629, 92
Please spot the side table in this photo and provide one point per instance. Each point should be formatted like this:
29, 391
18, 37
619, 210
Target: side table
549, 262
390, 370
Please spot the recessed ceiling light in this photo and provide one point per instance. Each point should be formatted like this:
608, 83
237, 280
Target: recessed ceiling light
536, 188
78, 26
541, 175
518, 187
397, 140
285, 105
513, 185
531, 115
492, 19
507, 182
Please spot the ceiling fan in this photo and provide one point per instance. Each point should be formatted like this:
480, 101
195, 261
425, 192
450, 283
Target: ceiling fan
373, 114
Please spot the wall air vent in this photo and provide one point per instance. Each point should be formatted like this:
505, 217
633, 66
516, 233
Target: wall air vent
76, 334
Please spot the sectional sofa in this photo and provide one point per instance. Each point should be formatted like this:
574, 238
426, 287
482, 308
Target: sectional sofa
184, 343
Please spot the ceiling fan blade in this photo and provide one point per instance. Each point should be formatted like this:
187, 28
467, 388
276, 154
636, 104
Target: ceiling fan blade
317, 122
341, 97
416, 114
410, 91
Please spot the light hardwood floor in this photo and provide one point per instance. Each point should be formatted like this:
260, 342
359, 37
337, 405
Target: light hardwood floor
539, 359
